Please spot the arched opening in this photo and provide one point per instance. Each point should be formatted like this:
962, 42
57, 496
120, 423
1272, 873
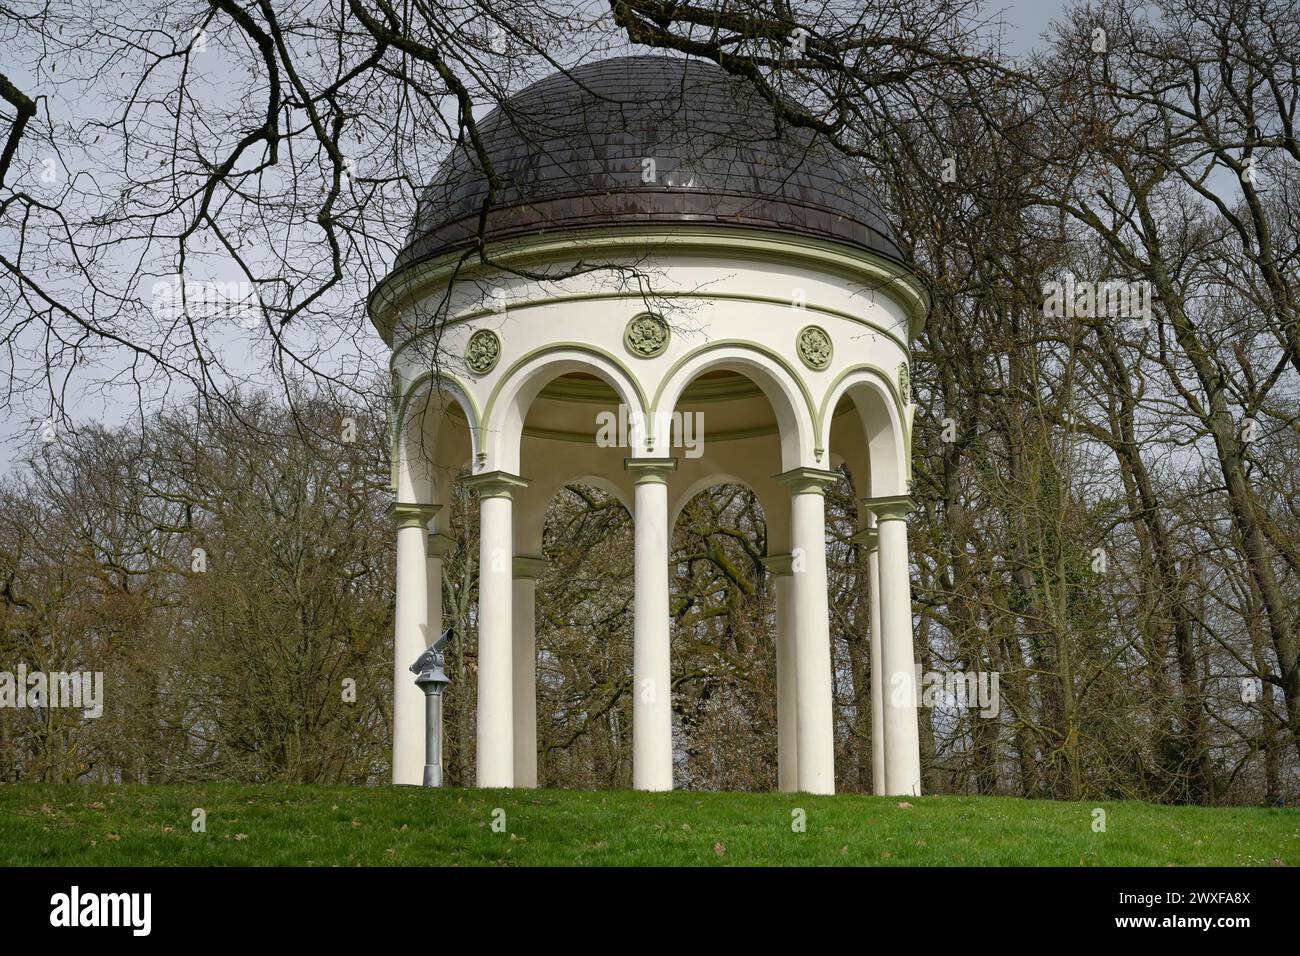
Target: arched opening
578, 423
867, 440
873, 441
583, 627
849, 605
561, 397
576, 678
738, 395
728, 516
433, 442
737, 422
432, 445
572, 528
724, 641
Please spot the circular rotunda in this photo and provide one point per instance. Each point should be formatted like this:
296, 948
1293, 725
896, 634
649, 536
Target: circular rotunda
636, 276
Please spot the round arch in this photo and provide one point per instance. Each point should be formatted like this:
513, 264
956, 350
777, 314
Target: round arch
507, 406
702, 484
535, 503
884, 423
421, 449
786, 392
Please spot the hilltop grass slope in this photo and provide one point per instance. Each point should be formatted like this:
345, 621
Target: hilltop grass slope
44, 825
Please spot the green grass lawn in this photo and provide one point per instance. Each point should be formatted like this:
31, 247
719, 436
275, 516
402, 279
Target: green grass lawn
349, 826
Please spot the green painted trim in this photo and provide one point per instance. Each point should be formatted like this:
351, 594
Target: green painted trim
579, 392
411, 515
404, 398
477, 314
528, 566
495, 484
509, 373
409, 393
589, 438
869, 538
440, 545
749, 344
653, 471
584, 392
890, 507
581, 438
735, 242
891, 387
779, 565
885, 378
802, 481
818, 415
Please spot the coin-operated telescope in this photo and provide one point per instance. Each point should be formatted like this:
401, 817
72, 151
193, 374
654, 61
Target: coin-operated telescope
432, 679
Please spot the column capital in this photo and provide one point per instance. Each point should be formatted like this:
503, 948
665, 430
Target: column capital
802, 481
411, 515
869, 538
495, 484
652, 470
439, 544
779, 564
528, 566
891, 508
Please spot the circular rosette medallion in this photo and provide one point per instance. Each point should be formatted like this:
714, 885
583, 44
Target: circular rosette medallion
814, 347
482, 352
646, 335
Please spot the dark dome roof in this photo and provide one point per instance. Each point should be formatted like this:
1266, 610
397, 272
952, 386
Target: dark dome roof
568, 153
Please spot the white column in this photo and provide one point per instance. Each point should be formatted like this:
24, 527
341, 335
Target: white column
652, 715
869, 540
877, 669
526, 570
496, 760
787, 718
815, 703
438, 546
411, 636
898, 658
